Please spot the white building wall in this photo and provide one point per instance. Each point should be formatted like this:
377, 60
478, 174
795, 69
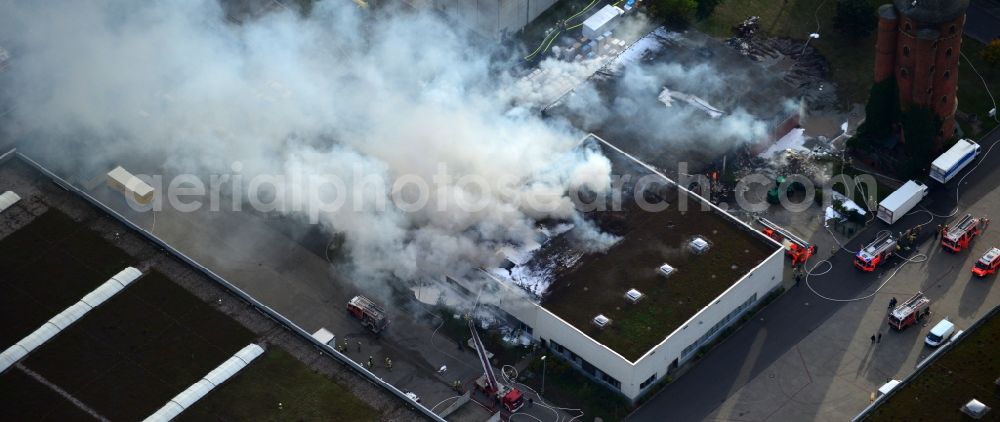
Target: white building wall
547, 326
762, 280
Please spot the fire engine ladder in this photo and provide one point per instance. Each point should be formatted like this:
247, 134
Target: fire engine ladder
491, 378
963, 226
367, 305
880, 244
784, 233
911, 305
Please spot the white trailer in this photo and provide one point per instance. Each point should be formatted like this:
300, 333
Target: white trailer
954, 160
603, 21
900, 202
8, 199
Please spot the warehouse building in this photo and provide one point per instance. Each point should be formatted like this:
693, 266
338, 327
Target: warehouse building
672, 283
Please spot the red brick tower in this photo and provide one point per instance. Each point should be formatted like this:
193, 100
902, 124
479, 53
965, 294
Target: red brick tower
918, 41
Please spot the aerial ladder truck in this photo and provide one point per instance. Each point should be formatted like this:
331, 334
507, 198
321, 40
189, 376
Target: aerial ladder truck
909, 312
371, 315
958, 236
508, 396
877, 252
799, 250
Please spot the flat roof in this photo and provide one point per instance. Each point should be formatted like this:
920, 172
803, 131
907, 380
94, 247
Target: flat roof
897, 198
968, 370
955, 154
596, 283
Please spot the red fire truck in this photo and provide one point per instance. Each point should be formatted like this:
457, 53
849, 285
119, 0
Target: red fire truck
988, 264
508, 396
958, 236
909, 312
799, 250
877, 252
371, 315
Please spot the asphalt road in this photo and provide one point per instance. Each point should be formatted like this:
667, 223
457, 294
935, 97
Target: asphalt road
785, 323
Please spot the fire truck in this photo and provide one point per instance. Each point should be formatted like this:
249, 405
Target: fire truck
958, 236
909, 312
508, 396
988, 264
371, 315
877, 252
799, 250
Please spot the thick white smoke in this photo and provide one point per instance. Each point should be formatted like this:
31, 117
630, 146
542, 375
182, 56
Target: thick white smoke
338, 97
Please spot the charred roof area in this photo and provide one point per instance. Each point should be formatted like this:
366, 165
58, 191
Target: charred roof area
585, 284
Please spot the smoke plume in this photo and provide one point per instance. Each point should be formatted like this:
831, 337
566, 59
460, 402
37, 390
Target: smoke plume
341, 98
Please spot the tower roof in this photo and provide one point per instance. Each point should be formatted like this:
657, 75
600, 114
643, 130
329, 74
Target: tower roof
931, 11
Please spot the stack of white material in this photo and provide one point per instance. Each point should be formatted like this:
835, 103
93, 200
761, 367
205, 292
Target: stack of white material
196, 391
7, 199
67, 317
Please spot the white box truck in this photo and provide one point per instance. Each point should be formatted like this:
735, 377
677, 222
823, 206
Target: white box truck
603, 21
954, 160
900, 202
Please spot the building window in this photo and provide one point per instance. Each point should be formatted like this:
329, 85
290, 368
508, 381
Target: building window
902, 73
947, 74
932, 70
929, 90
951, 30
944, 99
611, 381
947, 53
906, 27
906, 51
647, 382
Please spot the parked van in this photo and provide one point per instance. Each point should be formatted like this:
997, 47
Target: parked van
940, 333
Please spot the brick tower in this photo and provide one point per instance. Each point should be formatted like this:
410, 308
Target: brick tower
918, 43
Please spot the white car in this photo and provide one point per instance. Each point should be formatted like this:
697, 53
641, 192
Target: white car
941, 332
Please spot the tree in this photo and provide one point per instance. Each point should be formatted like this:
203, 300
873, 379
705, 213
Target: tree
920, 126
855, 18
674, 12
881, 112
705, 8
991, 54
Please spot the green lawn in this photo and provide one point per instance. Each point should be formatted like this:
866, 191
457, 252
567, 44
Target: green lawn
968, 370
567, 387
972, 97
851, 60
277, 377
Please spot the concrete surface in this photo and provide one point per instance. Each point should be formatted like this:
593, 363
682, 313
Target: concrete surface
807, 358
286, 275
39, 195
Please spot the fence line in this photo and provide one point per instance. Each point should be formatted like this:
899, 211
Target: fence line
266, 310
925, 363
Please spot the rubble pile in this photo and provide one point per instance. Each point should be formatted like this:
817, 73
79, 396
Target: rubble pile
803, 67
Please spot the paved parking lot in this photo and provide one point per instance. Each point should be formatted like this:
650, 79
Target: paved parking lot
806, 358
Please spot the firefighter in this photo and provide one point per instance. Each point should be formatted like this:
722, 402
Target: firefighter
939, 228
343, 348
359, 346
371, 363
388, 363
